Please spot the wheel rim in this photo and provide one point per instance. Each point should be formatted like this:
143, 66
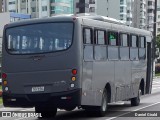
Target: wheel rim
139, 94
104, 103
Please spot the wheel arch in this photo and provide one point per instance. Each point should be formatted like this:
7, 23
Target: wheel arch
108, 88
142, 86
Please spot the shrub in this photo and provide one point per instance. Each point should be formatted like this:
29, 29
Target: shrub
157, 68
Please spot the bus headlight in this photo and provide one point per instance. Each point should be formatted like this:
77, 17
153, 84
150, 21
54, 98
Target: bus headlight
5, 82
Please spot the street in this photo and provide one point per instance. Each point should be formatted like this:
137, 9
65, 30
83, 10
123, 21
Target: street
149, 107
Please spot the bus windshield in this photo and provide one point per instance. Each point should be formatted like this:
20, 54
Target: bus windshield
39, 38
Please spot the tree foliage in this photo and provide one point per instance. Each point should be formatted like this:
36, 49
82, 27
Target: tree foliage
158, 41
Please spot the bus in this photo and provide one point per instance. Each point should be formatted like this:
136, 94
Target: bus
70, 61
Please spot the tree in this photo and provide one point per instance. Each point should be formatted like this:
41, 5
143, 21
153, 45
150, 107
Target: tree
158, 41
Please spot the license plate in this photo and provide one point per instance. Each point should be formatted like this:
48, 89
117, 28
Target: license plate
38, 89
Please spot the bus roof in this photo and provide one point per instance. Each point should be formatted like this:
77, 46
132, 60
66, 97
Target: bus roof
92, 18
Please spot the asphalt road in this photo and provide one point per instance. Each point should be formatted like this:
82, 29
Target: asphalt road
148, 109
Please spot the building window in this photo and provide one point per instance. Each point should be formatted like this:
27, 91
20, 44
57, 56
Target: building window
44, 8
92, 9
121, 2
33, 9
121, 9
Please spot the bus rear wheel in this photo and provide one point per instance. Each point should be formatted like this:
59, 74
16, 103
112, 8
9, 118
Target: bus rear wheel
46, 112
99, 111
136, 101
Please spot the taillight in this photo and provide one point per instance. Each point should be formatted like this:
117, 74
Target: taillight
4, 75
74, 71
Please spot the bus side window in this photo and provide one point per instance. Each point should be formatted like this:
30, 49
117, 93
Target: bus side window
100, 49
88, 46
99, 37
142, 46
87, 36
113, 53
134, 47
124, 48
113, 38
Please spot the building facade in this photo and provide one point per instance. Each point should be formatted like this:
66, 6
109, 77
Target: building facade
136, 13
40, 8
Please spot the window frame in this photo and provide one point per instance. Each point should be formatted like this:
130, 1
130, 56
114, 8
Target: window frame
128, 39
140, 41
117, 36
137, 41
91, 30
96, 37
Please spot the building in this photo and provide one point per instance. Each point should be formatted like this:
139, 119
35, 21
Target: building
40, 8
136, 13
105, 8
150, 15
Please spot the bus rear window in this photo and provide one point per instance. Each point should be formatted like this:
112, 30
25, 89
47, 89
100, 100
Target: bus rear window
39, 38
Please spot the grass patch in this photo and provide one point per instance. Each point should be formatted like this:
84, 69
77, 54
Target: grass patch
1, 101
1, 97
157, 74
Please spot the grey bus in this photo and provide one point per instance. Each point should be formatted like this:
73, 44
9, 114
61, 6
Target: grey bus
74, 61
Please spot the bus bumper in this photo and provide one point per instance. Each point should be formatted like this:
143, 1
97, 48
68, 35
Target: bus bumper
59, 100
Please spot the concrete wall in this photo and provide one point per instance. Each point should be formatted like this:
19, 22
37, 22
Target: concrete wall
0, 6
114, 9
101, 7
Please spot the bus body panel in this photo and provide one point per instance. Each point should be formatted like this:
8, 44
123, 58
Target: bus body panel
123, 76
53, 71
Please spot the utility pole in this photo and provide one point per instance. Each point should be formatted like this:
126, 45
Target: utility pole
155, 30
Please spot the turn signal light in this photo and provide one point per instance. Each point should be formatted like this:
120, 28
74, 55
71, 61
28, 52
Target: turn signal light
4, 75
74, 71
4, 82
73, 78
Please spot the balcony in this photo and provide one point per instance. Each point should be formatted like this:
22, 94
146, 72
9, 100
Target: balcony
152, 0
143, 1
151, 7
142, 17
151, 14
129, 15
92, 5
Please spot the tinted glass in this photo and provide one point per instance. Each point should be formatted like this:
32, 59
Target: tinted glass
124, 39
142, 42
100, 37
87, 36
134, 41
113, 38
39, 38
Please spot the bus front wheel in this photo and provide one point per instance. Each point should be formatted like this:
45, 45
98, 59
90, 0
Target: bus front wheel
46, 112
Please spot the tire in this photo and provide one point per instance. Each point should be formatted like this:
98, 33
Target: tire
46, 112
101, 111
136, 101
98, 111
